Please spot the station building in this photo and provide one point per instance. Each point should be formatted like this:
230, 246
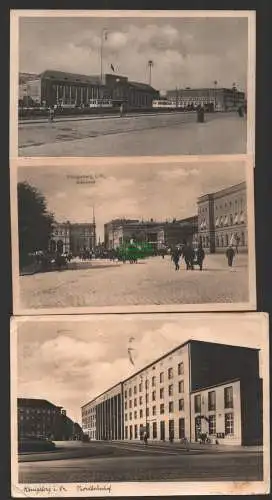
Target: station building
68, 237
222, 219
102, 417
159, 234
196, 387
216, 99
61, 88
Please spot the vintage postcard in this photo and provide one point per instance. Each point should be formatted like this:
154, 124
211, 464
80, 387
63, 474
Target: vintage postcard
132, 83
133, 235
140, 405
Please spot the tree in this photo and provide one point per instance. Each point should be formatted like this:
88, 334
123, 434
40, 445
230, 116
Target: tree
34, 221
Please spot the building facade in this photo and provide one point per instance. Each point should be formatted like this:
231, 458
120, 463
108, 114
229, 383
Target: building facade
102, 417
159, 234
228, 413
41, 418
72, 238
187, 391
215, 99
222, 219
69, 89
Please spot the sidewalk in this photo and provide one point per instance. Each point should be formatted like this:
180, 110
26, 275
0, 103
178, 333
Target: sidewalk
202, 447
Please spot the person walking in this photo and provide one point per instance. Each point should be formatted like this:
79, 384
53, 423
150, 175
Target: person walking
230, 255
200, 256
145, 438
176, 257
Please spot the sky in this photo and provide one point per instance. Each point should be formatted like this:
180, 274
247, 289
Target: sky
185, 51
147, 190
71, 361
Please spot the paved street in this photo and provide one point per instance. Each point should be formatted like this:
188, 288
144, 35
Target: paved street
151, 281
142, 135
125, 461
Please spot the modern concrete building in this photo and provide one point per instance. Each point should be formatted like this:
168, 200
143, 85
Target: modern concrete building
218, 99
60, 88
196, 387
159, 233
102, 417
222, 219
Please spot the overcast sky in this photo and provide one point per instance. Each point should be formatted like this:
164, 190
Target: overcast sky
70, 361
159, 191
185, 51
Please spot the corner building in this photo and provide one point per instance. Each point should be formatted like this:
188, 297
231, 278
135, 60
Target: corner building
222, 219
161, 398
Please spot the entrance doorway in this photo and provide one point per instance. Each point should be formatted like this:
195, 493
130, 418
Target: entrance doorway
162, 430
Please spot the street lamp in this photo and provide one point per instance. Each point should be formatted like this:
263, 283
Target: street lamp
215, 90
145, 385
150, 65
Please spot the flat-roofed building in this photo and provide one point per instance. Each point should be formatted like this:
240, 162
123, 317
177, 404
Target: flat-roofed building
159, 399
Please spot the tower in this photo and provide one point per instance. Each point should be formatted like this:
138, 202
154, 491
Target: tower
94, 231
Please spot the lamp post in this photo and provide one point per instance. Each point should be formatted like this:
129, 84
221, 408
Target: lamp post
150, 65
145, 385
215, 90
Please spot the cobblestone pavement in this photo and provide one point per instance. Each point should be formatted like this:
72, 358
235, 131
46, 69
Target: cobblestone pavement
175, 133
149, 282
129, 462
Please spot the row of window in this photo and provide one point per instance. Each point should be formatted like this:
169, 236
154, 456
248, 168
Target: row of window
170, 375
228, 400
38, 411
154, 395
230, 204
32, 417
135, 432
154, 410
228, 424
227, 220
131, 432
223, 240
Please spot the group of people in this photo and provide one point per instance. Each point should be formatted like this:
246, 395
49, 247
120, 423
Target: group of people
190, 256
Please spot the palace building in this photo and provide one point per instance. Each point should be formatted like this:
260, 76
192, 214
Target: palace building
68, 237
197, 387
222, 219
159, 234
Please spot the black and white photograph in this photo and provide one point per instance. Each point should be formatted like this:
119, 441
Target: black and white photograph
133, 234
132, 83
142, 404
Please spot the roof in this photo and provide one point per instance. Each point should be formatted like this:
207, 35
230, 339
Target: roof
226, 382
142, 86
217, 194
205, 89
70, 77
190, 341
36, 403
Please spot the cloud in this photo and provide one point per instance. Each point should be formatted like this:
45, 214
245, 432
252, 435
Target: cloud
188, 51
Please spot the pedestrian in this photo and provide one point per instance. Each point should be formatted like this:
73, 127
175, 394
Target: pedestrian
121, 110
176, 260
186, 442
200, 256
188, 254
230, 255
145, 438
51, 113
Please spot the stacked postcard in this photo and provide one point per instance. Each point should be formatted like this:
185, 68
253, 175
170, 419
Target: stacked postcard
139, 362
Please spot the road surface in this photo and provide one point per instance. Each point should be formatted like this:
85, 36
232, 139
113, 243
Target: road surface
125, 461
141, 135
152, 281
